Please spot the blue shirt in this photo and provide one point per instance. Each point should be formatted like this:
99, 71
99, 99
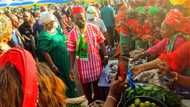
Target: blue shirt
15, 38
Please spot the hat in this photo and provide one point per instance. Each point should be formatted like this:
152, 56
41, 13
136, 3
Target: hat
173, 17
77, 10
176, 20
91, 12
140, 10
46, 18
5, 28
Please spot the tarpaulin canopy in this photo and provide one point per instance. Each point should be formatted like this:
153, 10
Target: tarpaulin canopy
30, 2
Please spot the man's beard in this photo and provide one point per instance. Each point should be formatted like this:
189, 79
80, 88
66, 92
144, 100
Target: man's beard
80, 24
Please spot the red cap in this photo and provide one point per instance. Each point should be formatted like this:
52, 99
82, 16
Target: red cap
77, 10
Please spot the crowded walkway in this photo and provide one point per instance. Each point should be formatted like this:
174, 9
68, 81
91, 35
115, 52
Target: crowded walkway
96, 53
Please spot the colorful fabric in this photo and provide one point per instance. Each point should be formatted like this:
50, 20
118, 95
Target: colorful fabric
82, 47
176, 20
161, 47
77, 10
178, 60
171, 43
26, 67
88, 71
173, 17
55, 45
5, 28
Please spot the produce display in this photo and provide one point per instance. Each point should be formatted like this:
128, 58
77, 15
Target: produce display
148, 90
139, 103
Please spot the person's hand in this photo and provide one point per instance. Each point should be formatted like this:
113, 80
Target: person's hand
163, 66
136, 52
116, 88
138, 55
54, 69
72, 75
174, 76
136, 70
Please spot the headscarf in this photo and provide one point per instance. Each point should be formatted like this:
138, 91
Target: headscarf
91, 12
153, 10
77, 10
175, 19
5, 28
26, 67
43, 9
140, 10
46, 18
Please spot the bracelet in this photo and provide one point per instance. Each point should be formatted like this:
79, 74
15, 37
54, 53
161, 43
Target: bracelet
176, 76
113, 98
106, 56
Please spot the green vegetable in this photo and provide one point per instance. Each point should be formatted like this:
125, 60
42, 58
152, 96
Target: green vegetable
147, 104
142, 105
137, 101
165, 96
132, 105
153, 105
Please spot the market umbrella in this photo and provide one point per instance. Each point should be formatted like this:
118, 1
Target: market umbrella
21, 3
3, 4
52, 1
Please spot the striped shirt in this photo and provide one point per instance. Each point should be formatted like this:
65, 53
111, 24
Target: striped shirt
88, 71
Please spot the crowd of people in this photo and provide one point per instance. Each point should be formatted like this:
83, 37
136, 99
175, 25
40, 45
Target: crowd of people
43, 50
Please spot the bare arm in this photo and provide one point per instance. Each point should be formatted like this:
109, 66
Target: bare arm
114, 95
72, 59
110, 103
147, 66
103, 54
183, 80
48, 58
50, 62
